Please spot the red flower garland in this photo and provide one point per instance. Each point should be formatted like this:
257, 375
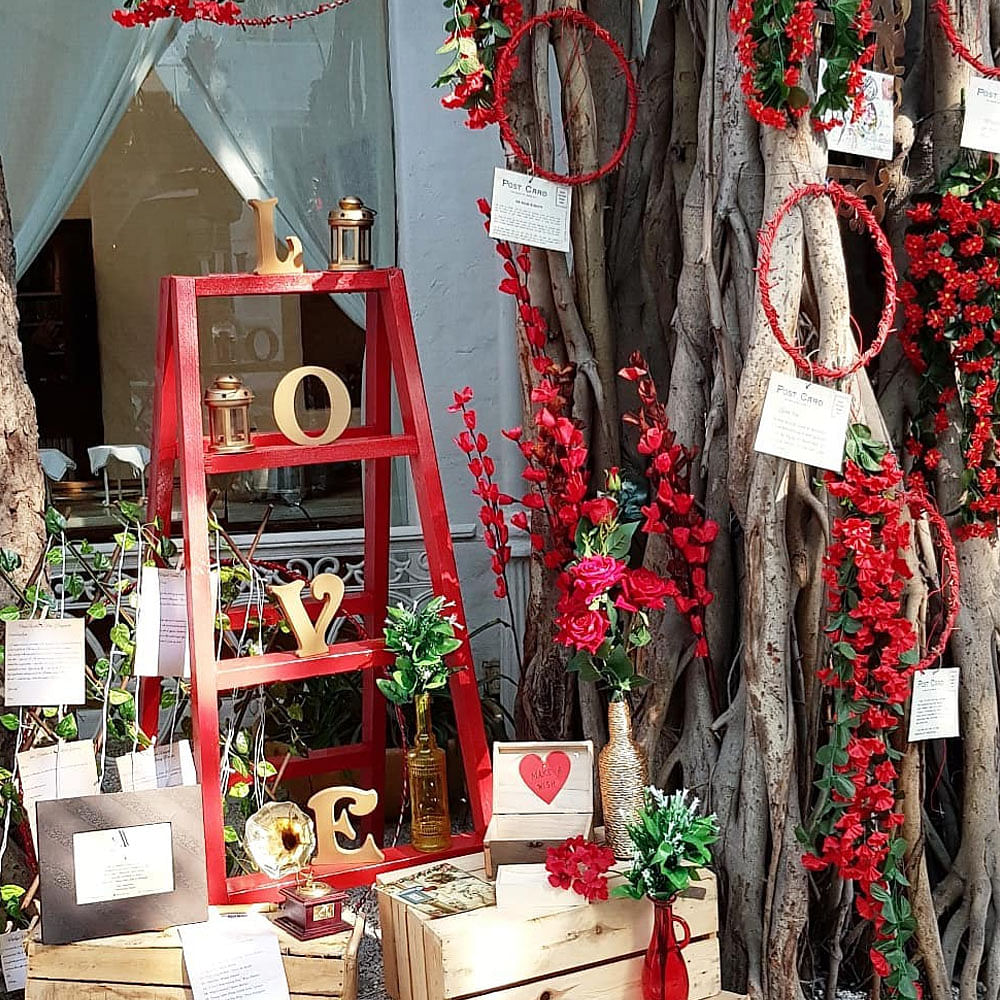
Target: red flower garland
774, 43
581, 866
840, 197
873, 657
506, 65
949, 301
477, 31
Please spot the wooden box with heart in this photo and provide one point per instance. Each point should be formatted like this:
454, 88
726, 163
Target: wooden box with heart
542, 794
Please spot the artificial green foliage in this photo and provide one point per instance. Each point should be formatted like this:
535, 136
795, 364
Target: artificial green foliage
671, 839
420, 639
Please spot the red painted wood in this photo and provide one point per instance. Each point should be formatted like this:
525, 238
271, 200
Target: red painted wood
178, 433
440, 554
215, 285
345, 758
275, 451
357, 604
249, 671
261, 889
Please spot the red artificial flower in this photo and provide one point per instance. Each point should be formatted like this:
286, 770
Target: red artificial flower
582, 630
595, 575
600, 510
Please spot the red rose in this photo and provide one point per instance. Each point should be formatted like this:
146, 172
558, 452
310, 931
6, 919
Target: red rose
879, 963
642, 588
596, 575
583, 630
599, 510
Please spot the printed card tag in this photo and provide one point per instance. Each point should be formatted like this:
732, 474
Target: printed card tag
530, 210
45, 662
934, 705
14, 960
804, 422
123, 864
981, 128
870, 132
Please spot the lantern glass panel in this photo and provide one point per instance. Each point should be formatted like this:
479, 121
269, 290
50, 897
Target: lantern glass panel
239, 427
349, 250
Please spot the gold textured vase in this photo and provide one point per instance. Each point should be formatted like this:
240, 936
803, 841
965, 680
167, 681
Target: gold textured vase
622, 769
430, 828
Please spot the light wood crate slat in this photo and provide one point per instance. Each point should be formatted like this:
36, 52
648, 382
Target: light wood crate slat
91, 991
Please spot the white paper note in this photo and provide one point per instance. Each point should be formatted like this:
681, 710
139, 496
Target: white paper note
530, 210
45, 662
804, 422
524, 890
234, 958
934, 705
870, 133
123, 863
14, 960
63, 771
981, 128
161, 628
163, 766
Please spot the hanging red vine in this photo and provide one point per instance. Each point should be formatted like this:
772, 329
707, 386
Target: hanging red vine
950, 335
135, 13
775, 40
940, 7
873, 656
840, 197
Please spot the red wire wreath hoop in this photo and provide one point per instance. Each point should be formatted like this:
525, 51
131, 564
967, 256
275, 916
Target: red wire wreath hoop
506, 64
917, 496
957, 45
839, 196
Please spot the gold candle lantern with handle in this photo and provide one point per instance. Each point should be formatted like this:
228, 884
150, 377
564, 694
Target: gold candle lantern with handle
351, 236
228, 401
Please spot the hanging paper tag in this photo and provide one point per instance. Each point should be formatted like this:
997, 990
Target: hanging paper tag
870, 132
45, 662
164, 766
62, 771
530, 210
981, 128
804, 422
14, 960
934, 705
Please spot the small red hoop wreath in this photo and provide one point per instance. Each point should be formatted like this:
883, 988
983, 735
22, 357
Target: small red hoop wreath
917, 496
506, 63
840, 196
957, 45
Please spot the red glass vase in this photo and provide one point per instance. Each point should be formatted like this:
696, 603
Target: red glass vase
664, 973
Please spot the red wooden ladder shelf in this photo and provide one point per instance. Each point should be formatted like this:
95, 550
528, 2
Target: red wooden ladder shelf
390, 353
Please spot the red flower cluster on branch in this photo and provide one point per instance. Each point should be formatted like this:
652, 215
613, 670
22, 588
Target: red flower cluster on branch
476, 31
775, 41
951, 337
146, 12
873, 656
581, 866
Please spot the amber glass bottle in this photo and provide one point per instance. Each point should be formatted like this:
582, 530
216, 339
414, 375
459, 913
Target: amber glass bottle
430, 827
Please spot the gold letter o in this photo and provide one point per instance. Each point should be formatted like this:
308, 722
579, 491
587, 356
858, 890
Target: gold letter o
284, 406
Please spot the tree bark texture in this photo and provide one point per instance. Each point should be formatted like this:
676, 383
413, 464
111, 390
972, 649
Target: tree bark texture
664, 259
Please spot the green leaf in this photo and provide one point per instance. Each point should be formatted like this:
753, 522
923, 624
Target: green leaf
239, 791
97, 611
10, 722
229, 835
66, 728
242, 742
9, 892
55, 523
119, 696
10, 562
265, 769
9, 613
121, 637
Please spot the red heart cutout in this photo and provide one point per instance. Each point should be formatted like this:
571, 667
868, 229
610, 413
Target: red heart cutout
545, 777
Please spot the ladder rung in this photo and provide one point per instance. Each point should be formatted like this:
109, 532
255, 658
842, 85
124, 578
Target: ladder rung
216, 285
357, 603
346, 758
275, 451
249, 671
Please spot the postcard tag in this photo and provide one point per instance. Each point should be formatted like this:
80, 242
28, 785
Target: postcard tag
981, 128
45, 662
870, 132
14, 960
164, 766
235, 956
62, 771
530, 210
123, 864
804, 422
934, 705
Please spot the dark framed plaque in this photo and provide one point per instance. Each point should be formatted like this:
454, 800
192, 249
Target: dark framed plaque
121, 863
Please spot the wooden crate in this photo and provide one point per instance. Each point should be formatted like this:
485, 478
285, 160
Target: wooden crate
590, 952
151, 967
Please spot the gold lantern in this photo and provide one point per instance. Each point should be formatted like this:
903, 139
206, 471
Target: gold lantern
351, 236
228, 401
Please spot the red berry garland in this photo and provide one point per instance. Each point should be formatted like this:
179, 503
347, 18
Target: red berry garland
145, 12
506, 65
959, 47
840, 197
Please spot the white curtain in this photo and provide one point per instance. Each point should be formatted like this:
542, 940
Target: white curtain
302, 114
67, 74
